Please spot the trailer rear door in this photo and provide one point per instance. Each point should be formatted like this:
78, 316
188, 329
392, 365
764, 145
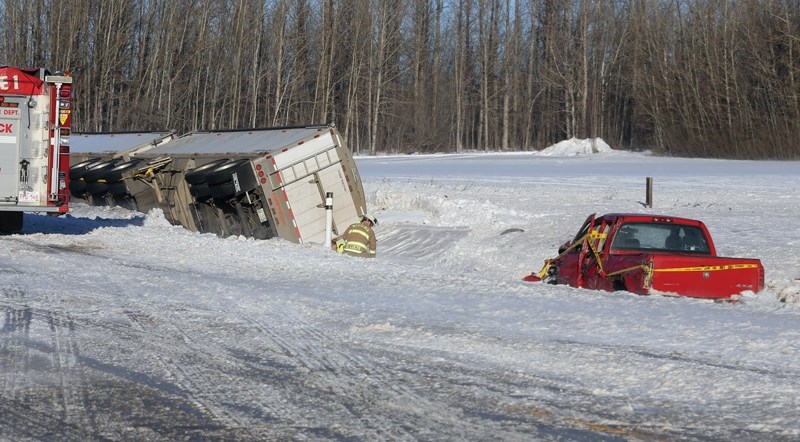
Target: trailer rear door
332, 179
9, 155
308, 177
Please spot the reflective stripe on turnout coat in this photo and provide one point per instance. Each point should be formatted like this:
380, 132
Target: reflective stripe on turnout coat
359, 240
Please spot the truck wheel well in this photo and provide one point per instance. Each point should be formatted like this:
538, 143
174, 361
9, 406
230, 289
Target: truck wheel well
10, 222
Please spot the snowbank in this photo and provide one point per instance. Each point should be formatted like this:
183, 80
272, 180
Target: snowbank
574, 147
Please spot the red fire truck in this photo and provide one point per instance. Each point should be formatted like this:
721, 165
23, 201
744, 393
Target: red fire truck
35, 118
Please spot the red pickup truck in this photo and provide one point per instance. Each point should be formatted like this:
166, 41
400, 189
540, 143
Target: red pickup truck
650, 254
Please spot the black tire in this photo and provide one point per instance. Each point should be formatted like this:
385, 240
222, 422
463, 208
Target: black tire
116, 173
96, 188
10, 222
76, 171
200, 191
118, 188
96, 171
246, 177
224, 172
198, 174
77, 188
223, 190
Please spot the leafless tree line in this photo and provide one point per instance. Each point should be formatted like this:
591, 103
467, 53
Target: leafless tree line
711, 78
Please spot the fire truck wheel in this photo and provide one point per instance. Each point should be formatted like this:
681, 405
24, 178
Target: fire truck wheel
224, 172
10, 222
116, 172
198, 174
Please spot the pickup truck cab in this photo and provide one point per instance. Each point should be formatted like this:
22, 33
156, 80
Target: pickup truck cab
650, 254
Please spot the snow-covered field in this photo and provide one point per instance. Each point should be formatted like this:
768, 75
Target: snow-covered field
117, 325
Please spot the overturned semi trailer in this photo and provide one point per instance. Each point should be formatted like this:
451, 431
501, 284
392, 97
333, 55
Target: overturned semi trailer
99, 161
257, 183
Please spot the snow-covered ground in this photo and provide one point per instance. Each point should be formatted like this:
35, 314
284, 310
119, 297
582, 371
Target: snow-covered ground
117, 325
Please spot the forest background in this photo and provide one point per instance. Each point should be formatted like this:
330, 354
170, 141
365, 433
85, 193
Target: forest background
710, 78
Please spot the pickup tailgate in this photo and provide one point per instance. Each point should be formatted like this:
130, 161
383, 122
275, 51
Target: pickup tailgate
705, 276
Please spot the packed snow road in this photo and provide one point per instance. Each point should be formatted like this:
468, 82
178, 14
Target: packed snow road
116, 325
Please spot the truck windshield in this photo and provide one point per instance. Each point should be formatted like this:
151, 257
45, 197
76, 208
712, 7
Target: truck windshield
658, 236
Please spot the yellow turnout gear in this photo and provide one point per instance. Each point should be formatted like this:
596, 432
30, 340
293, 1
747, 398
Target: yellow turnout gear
359, 240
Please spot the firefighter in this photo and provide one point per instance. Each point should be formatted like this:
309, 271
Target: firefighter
359, 239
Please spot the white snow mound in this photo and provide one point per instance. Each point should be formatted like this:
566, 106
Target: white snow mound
575, 147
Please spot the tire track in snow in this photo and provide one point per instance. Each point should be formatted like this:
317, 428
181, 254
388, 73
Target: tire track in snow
19, 421
71, 374
41, 345
374, 395
14, 351
202, 389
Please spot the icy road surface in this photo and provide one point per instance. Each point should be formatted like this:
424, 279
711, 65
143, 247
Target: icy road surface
117, 326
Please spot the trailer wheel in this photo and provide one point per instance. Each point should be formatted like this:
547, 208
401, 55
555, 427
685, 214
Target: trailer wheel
198, 174
96, 188
200, 191
118, 188
76, 171
224, 172
223, 191
77, 188
116, 172
96, 171
10, 222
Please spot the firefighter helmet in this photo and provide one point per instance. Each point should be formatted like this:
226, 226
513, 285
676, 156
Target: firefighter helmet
370, 218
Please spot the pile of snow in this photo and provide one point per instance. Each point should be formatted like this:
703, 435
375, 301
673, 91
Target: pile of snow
574, 147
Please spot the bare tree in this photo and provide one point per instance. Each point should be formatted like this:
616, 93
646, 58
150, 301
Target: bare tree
713, 78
